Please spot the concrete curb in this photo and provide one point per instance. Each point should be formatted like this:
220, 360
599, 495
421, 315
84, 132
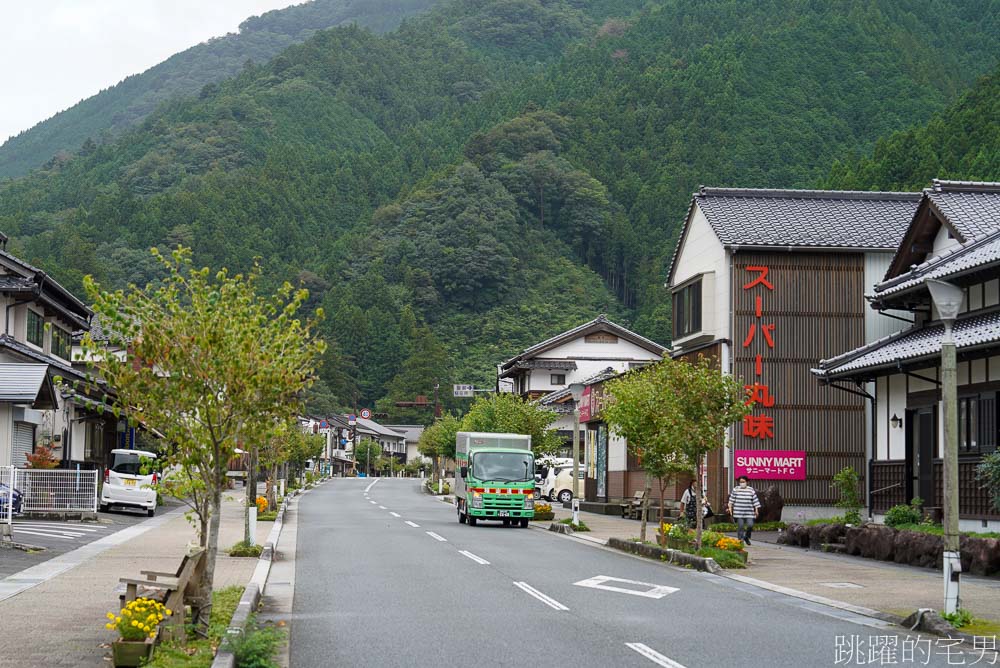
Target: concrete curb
706, 564
254, 588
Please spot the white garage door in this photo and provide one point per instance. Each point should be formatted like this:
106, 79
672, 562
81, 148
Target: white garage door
24, 437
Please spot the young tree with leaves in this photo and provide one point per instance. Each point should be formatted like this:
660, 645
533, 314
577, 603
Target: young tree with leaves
438, 441
509, 413
209, 359
366, 455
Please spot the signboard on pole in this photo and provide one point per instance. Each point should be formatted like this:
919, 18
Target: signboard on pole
352, 419
463, 390
770, 464
366, 414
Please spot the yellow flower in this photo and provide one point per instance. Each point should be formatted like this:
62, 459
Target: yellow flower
117, 619
111, 615
152, 634
168, 612
109, 625
127, 613
135, 623
146, 629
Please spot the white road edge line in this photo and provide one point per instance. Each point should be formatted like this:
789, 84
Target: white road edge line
368, 488
653, 655
44, 535
547, 600
436, 537
413, 524
394, 514
476, 558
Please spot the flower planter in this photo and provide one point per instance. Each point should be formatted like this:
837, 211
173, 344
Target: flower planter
678, 544
544, 516
132, 652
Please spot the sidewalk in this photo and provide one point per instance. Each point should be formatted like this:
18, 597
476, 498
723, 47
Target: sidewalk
886, 587
60, 622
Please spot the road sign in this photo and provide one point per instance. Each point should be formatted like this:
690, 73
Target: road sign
366, 414
352, 419
463, 390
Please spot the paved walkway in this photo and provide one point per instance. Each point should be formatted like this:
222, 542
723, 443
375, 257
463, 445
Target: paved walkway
60, 622
882, 586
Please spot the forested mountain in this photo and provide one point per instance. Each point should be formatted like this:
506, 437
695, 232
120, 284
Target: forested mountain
259, 39
961, 143
493, 172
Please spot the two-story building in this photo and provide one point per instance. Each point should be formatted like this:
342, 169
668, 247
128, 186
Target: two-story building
36, 344
767, 282
954, 236
545, 371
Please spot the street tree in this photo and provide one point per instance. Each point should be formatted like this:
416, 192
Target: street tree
438, 441
366, 455
208, 360
509, 413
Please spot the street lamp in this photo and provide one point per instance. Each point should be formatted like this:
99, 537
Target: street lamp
948, 301
576, 389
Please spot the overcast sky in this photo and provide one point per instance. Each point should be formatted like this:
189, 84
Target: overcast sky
54, 53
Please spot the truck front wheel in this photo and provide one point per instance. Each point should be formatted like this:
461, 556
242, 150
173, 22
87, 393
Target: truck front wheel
524, 522
471, 520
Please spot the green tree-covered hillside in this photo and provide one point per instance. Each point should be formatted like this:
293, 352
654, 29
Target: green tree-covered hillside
960, 143
491, 173
259, 39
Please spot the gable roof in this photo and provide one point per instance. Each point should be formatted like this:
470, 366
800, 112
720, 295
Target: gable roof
598, 324
969, 209
27, 384
802, 219
47, 290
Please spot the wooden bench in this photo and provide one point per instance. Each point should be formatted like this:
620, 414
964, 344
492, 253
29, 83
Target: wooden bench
633, 507
170, 589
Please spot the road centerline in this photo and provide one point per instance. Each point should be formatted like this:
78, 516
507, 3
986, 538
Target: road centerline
436, 537
413, 524
547, 600
382, 508
395, 514
653, 655
476, 558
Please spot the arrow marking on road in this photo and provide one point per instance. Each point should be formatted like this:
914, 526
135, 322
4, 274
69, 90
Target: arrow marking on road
413, 524
382, 508
437, 537
653, 655
652, 590
547, 600
394, 514
475, 558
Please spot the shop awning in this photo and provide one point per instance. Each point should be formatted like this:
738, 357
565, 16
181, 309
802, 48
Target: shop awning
27, 384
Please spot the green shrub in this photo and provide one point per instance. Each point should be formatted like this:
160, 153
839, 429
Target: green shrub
581, 527
256, 646
839, 519
710, 538
244, 549
988, 475
959, 618
268, 517
724, 558
847, 482
903, 514
729, 527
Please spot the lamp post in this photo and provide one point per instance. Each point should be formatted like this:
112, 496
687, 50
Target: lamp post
948, 301
576, 389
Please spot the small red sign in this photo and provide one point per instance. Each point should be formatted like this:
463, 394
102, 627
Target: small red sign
366, 414
585, 405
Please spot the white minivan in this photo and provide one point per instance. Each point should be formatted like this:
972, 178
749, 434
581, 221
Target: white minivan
125, 485
559, 484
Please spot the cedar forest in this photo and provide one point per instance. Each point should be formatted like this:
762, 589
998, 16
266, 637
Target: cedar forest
492, 172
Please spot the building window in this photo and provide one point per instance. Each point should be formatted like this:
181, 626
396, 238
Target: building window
36, 328
687, 310
977, 424
557, 379
62, 344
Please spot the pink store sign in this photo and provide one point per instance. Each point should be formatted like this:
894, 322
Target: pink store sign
770, 464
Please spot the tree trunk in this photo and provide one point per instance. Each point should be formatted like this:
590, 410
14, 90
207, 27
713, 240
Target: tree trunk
645, 508
210, 541
698, 512
272, 488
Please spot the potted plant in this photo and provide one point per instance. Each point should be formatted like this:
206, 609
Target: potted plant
678, 537
137, 625
543, 511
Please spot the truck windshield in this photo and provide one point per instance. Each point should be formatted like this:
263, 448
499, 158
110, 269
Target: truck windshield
502, 466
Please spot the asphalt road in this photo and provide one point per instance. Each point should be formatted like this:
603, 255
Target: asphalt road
390, 578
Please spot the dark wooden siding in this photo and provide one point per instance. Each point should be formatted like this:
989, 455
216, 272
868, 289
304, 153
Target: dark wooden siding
973, 501
817, 307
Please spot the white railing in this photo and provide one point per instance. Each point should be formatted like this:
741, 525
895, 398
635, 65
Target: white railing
6, 496
51, 490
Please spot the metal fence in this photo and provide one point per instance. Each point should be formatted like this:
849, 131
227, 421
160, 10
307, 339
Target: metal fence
51, 490
6, 507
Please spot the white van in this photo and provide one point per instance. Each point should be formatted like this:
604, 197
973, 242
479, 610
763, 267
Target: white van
124, 484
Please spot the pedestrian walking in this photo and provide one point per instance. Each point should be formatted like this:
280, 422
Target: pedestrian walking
744, 506
689, 503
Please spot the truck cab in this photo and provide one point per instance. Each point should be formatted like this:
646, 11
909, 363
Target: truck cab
495, 478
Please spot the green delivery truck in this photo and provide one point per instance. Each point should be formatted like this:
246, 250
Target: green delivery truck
494, 478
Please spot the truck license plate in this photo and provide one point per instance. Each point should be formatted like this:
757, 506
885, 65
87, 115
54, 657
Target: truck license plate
503, 513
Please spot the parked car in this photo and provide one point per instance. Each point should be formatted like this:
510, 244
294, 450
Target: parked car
559, 485
128, 482
4, 494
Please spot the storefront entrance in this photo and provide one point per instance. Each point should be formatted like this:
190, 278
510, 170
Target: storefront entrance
921, 448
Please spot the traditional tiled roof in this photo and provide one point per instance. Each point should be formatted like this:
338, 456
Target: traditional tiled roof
968, 257
834, 219
972, 208
563, 365
552, 398
12, 283
909, 347
821, 218
598, 324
